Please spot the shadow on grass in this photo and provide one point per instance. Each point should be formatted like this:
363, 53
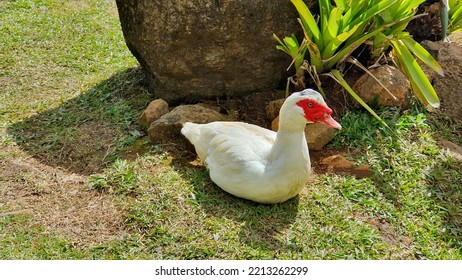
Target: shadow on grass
90, 131
261, 224
444, 189
447, 190
84, 133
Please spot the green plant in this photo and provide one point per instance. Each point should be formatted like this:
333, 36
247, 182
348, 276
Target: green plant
402, 11
337, 33
453, 11
330, 41
291, 46
340, 29
121, 178
451, 17
405, 49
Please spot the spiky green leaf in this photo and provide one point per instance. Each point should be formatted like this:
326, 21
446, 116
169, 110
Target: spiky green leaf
335, 43
372, 11
339, 79
308, 21
332, 25
421, 86
421, 53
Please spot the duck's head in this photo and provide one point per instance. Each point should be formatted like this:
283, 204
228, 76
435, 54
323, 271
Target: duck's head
308, 106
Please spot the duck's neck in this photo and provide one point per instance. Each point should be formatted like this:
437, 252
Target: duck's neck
290, 144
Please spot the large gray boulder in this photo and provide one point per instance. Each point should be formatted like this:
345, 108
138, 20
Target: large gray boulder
195, 49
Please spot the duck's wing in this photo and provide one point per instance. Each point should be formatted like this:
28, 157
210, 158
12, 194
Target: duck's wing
230, 145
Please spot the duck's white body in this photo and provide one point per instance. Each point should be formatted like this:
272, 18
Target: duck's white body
253, 162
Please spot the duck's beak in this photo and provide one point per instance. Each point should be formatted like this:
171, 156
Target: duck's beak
328, 120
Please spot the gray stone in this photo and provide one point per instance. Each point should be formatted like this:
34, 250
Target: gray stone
156, 109
272, 110
393, 79
199, 49
456, 38
318, 135
448, 88
453, 149
167, 128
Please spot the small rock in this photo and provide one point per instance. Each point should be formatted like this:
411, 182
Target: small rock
272, 110
454, 150
395, 81
232, 107
318, 135
167, 128
153, 112
210, 105
275, 124
338, 163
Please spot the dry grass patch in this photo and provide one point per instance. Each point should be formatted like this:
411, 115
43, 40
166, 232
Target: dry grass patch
59, 200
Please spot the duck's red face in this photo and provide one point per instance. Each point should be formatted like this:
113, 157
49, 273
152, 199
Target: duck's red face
318, 113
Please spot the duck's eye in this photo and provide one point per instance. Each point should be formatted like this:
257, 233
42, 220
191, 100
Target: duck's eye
310, 105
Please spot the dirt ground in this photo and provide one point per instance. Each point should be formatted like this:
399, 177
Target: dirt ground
59, 200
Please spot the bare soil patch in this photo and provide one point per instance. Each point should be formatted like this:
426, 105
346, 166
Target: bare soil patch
59, 200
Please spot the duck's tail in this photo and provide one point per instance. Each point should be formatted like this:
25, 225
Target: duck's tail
192, 131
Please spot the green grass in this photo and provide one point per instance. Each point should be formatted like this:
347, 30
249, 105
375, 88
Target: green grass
71, 93
20, 240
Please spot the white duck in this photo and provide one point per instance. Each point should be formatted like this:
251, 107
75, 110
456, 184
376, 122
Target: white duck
258, 164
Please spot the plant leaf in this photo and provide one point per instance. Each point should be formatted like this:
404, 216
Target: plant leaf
325, 8
313, 49
315, 55
335, 43
372, 11
348, 49
421, 53
457, 12
332, 25
341, 4
281, 45
421, 86
308, 21
337, 76
291, 46
404, 8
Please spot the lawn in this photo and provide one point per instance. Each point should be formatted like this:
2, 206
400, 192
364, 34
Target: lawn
79, 179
